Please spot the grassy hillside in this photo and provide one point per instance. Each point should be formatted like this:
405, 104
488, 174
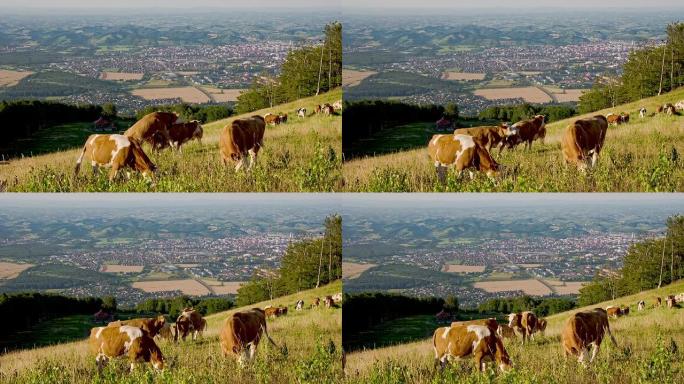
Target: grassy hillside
643, 353
302, 155
644, 155
309, 351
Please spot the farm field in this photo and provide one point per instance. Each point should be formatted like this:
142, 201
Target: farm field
463, 76
187, 286
565, 287
223, 287
223, 95
121, 76
309, 351
10, 78
641, 156
114, 268
530, 286
301, 155
12, 270
457, 268
644, 353
187, 94
354, 270
351, 78
529, 94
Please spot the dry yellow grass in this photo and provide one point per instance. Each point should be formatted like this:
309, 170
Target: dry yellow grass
530, 94
12, 270
566, 287
121, 76
11, 78
568, 95
116, 268
223, 95
354, 270
351, 78
457, 268
187, 94
187, 286
529, 286
463, 76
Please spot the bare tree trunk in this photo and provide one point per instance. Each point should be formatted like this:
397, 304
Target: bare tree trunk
330, 67
320, 262
662, 262
662, 72
671, 261
671, 68
329, 260
320, 69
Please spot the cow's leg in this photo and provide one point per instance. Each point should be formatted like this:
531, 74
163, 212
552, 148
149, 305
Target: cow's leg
101, 360
93, 164
132, 366
252, 158
113, 172
239, 163
252, 350
441, 172
594, 158
480, 363
594, 351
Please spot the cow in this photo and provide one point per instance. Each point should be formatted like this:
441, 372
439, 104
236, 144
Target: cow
318, 109
301, 112
166, 332
114, 341
641, 305
300, 305
337, 105
642, 112
505, 332
625, 311
680, 297
151, 325
613, 311
242, 137
283, 118
155, 122
541, 326
624, 117
667, 109
337, 298
242, 332
461, 152
659, 302
459, 341
316, 302
115, 152
328, 109
271, 119
671, 302
613, 119
531, 130
270, 311
679, 106
488, 136
582, 139
524, 323
329, 302
583, 329
490, 323
282, 311
180, 134
191, 322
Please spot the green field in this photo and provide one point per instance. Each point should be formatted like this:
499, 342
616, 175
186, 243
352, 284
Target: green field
302, 155
397, 331
309, 351
642, 156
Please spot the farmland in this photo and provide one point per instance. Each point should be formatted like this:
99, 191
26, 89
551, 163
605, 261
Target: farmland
351, 78
461, 76
187, 286
531, 286
121, 76
301, 155
12, 270
643, 155
187, 94
645, 353
309, 351
354, 270
529, 94
114, 268
10, 78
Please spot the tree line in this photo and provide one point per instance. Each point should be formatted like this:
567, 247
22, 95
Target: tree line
515, 113
202, 113
648, 264
306, 264
541, 306
648, 72
307, 71
174, 306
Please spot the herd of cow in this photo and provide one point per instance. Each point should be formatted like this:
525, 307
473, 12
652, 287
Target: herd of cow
239, 140
483, 339
470, 148
239, 335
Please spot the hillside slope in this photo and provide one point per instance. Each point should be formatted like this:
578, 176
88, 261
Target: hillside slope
305, 353
644, 155
641, 356
301, 155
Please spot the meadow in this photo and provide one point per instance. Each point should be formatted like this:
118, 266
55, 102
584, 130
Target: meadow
308, 351
648, 351
301, 155
641, 156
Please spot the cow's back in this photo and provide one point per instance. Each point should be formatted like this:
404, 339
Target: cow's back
242, 135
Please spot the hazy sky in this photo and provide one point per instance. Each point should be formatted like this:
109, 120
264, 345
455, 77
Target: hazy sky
393, 4
193, 4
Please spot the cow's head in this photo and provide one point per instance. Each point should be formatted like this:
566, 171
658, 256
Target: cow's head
156, 357
501, 356
140, 162
513, 319
198, 132
542, 119
159, 322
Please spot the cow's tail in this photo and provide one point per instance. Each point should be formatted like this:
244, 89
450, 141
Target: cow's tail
80, 158
610, 334
264, 328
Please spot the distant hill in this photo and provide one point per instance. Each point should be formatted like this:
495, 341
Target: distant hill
309, 351
645, 340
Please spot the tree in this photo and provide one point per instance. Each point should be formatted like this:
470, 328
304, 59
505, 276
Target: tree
109, 110
109, 303
451, 304
451, 111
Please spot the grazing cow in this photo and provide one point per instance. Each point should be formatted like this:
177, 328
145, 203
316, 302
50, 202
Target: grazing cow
659, 302
584, 139
613, 311
641, 305
541, 326
625, 311
505, 332
242, 332
283, 118
531, 130
282, 311
667, 109
166, 332
180, 134
488, 137
642, 112
461, 152
318, 109
300, 305
329, 302
524, 323
337, 105
490, 323
271, 311
301, 112
115, 152
680, 297
613, 119
584, 329
155, 122
671, 302
114, 341
679, 106
190, 321
328, 109
624, 117
151, 325
459, 341
316, 303
337, 298
271, 119
242, 137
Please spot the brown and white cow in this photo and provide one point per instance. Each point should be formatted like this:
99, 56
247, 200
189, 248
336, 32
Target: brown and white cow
329, 302
658, 302
283, 118
679, 106
461, 152
282, 311
114, 341
667, 109
155, 122
490, 323
456, 342
166, 332
337, 298
641, 305
316, 303
524, 323
583, 140
271, 311
188, 322
300, 305
671, 301
613, 311
337, 105
151, 325
318, 109
242, 332
541, 326
530, 130
271, 119
584, 329
625, 311
328, 109
115, 152
240, 138
680, 297
301, 112
505, 332
180, 134
487, 136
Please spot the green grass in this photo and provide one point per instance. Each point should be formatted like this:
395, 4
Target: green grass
642, 156
309, 351
302, 155
396, 331
644, 354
